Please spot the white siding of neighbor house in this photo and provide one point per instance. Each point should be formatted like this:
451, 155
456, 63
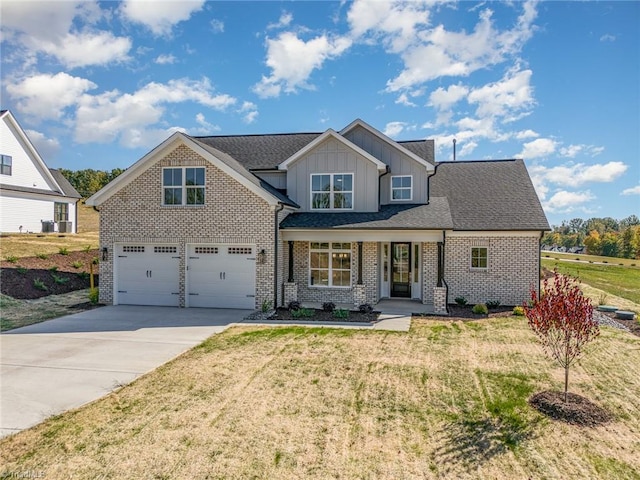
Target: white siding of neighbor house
332, 156
398, 162
275, 179
24, 171
16, 211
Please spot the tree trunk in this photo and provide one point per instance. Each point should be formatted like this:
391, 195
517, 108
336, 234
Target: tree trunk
566, 382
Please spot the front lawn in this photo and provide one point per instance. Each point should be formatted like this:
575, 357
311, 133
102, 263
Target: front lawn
446, 400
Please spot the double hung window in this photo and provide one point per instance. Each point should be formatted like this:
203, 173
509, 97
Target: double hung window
5, 164
479, 258
183, 186
401, 187
333, 191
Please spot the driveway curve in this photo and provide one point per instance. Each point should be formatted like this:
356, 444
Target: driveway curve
53, 366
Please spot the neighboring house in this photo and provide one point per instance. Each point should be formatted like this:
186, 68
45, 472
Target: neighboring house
33, 198
348, 217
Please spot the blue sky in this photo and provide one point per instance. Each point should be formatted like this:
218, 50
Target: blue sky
99, 84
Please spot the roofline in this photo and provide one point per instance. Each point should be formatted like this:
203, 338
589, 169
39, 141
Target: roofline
254, 135
32, 149
386, 139
171, 143
331, 133
493, 160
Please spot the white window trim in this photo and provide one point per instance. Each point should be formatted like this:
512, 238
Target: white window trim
478, 269
330, 251
331, 192
391, 189
184, 187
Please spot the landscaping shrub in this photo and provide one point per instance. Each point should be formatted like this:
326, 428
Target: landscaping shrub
63, 251
39, 284
266, 306
328, 306
94, 295
365, 308
461, 301
294, 306
492, 304
83, 275
11, 259
480, 309
303, 312
518, 311
53, 269
59, 280
42, 256
76, 264
341, 313
21, 270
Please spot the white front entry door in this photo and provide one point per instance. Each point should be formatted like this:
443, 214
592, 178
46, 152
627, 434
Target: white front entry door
221, 276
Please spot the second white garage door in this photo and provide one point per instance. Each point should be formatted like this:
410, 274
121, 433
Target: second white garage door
221, 276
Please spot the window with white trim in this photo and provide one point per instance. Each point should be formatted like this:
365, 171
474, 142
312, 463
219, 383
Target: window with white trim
60, 212
479, 258
183, 186
401, 187
6, 162
333, 191
329, 264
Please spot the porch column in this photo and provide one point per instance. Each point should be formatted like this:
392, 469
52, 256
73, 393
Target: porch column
440, 263
290, 277
359, 263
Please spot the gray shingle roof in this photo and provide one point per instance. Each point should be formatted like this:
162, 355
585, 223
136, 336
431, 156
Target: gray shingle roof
260, 152
67, 188
434, 216
266, 152
42, 191
489, 195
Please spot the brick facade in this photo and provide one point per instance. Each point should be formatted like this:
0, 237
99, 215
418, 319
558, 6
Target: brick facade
513, 267
231, 214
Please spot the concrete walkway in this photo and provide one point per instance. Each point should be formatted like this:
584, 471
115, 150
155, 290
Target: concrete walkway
53, 366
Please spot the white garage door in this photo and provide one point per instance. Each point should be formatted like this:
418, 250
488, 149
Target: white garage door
148, 275
221, 276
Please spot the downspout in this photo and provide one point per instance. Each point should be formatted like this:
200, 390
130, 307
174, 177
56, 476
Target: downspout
540, 261
75, 220
277, 210
386, 172
446, 298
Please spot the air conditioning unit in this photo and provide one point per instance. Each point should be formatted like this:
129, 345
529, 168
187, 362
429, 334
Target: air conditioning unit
65, 227
47, 226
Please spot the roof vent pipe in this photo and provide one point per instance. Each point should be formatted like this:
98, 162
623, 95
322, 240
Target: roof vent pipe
454, 149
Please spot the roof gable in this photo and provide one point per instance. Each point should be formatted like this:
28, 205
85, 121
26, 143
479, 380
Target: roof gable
220, 159
30, 151
359, 123
330, 133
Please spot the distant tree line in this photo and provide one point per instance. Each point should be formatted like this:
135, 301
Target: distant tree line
87, 182
601, 236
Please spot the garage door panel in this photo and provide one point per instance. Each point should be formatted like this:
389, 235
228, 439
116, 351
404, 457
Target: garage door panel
221, 276
148, 275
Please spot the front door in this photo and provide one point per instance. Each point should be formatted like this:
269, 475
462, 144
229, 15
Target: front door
400, 270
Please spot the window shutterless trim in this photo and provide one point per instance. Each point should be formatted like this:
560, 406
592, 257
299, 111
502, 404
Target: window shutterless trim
391, 189
330, 251
184, 187
331, 192
471, 258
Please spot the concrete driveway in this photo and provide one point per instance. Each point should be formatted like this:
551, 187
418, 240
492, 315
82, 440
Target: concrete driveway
51, 367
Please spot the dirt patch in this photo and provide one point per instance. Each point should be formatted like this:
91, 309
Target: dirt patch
283, 314
577, 410
35, 277
457, 311
632, 325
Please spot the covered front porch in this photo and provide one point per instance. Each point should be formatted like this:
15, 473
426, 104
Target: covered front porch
367, 267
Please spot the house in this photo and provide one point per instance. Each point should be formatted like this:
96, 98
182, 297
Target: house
33, 198
350, 217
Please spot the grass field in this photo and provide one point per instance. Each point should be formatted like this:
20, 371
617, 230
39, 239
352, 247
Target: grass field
29, 245
617, 280
627, 262
446, 400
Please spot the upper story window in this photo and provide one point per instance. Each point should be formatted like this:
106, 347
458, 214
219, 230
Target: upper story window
183, 186
401, 187
332, 191
479, 258
5, 164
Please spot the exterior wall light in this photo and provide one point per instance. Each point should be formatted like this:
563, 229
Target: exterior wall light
105, 253
262, 256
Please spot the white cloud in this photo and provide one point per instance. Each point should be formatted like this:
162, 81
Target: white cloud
393, 129
437, 52
564, 201
249, 111
572, 150
46, 96
205, 127
160, 16
524, 134
250, 117
46, 147
165, 59
292, 60
284, 21
509, 98
607, 37
217, 26
133, 118
444, 99
540, 147
48, 27
403, 99
631, 191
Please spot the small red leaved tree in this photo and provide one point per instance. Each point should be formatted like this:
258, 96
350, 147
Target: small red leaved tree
562, 317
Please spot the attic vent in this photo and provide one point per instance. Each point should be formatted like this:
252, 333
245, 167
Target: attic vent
206, 250
133, 249
240, 250
165, 249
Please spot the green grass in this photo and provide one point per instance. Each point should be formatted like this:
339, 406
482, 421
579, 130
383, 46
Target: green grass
627, 262
614, 279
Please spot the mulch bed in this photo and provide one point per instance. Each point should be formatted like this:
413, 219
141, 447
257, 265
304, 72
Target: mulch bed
465, 313
56, 272
283, 314
577, 410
